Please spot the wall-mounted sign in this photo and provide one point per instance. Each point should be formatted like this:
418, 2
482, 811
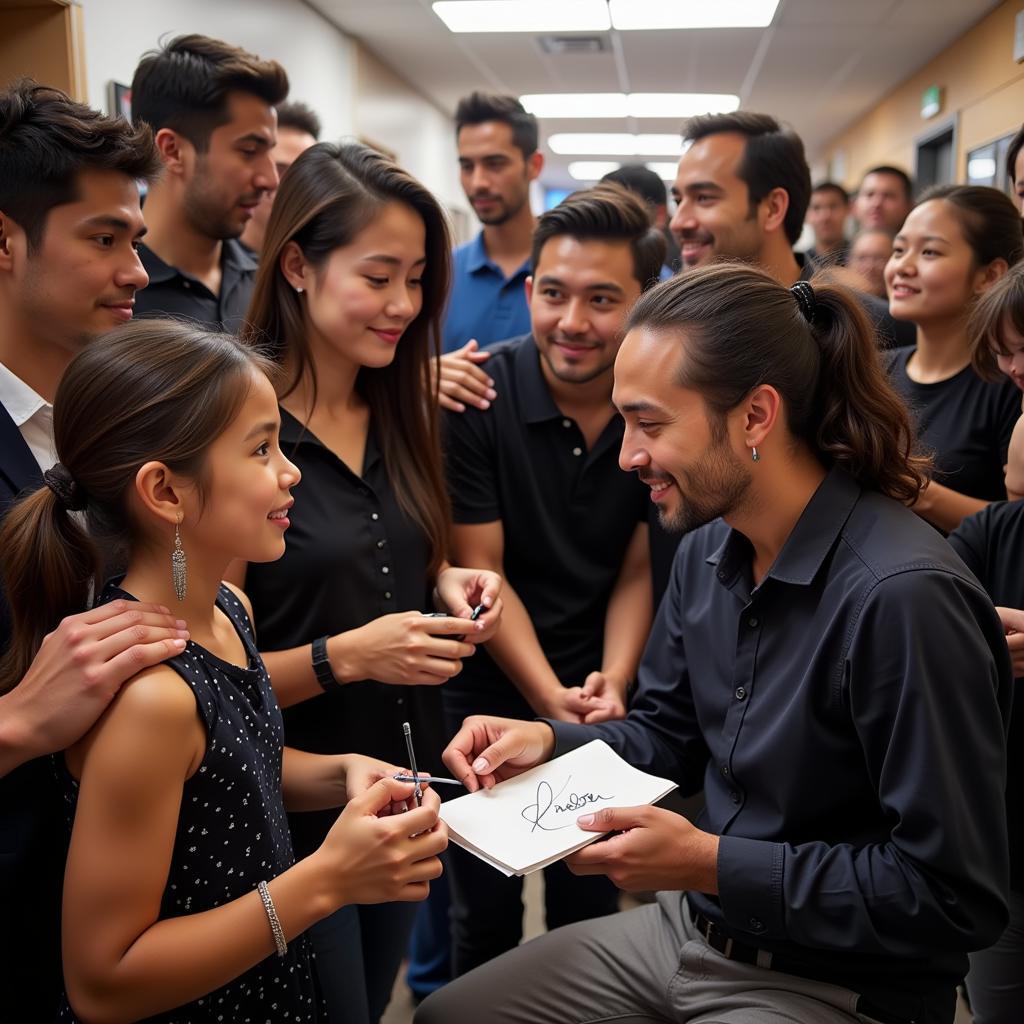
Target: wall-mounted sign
931, 101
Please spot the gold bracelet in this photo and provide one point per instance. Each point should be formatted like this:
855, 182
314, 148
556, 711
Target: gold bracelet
275, 924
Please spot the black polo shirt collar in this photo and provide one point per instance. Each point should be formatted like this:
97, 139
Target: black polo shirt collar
235, 260
806, 548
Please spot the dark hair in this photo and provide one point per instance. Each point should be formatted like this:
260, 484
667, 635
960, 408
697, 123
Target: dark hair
176, 388
186, 84
1003, 302
989, 220
605, 213
1016, 143
327, 197
773, 158
480, 107
744, 329
47, 140
895, 172
300, 117
831, 186
642, 181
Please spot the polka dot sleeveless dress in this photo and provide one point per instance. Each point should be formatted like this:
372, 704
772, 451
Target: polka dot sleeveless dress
232, 830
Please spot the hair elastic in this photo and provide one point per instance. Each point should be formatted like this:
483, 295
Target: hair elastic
805, 299
63, 485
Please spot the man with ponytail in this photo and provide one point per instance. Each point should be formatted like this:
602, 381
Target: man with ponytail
822, 665
69, 224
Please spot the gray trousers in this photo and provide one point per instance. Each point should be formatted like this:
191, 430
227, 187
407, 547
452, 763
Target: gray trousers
645, 966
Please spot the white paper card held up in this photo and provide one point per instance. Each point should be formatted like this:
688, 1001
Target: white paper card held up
528, 822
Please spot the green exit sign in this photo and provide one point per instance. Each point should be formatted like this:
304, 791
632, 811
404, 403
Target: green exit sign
931, 101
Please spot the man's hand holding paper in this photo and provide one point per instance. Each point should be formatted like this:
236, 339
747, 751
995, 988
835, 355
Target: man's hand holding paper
653, 849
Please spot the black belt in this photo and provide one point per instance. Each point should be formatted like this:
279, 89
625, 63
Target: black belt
732, 949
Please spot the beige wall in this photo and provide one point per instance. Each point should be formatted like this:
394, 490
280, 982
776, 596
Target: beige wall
982, 86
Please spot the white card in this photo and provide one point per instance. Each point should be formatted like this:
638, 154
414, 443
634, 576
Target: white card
528, 822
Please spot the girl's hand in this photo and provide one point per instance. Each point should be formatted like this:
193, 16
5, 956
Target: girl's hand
374, 857
362, 772
461, 590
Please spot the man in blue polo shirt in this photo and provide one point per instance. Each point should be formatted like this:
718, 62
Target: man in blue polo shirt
498, 158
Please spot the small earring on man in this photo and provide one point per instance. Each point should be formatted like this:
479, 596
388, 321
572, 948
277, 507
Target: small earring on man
179, 564
298, 290
754, 454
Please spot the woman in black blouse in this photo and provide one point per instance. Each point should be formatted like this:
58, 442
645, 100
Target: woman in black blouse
954, 245
351, 288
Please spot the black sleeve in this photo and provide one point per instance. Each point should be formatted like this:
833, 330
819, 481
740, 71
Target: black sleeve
970, 541
470, 466
1007, 412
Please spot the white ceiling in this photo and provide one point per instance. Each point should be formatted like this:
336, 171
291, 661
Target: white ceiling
820, 65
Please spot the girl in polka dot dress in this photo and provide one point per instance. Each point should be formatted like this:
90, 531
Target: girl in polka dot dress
182, 898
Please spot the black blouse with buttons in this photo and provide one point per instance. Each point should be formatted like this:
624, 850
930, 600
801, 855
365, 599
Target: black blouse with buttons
352, 556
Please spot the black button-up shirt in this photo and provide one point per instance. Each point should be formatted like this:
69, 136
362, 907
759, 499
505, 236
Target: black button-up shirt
567, 514
846, 718
173, 293
352, 555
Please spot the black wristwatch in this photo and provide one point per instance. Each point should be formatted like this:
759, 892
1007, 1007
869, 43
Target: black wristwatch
322, 665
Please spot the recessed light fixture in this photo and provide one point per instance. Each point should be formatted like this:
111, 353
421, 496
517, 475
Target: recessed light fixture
524, 15
601, 15
614, 144
637, 104
657, 14
592, 170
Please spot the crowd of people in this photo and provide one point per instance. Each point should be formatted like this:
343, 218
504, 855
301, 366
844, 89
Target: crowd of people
282, 475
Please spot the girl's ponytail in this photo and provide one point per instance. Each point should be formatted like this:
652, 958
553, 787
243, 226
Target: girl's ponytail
48, 564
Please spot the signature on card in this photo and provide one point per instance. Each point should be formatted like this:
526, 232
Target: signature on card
545, 805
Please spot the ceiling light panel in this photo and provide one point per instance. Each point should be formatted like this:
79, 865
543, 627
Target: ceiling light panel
614, 144
592, 170
638, 104
666, 170
630, 15
524, 15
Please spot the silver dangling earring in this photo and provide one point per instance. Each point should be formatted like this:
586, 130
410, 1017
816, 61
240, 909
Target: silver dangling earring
179, 564
754, 455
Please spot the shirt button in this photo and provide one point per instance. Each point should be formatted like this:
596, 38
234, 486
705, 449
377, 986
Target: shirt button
741, 693
384, 569
720, 574
577, 451
187, 284
387, 594
734, 796
401, 700
374, 516
381, 543
567, 424
756, 924
752, 622
725, 770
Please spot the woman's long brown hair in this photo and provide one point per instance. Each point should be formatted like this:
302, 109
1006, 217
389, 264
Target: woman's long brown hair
325, 199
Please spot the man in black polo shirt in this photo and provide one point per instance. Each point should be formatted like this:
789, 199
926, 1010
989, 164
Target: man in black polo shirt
69, 221
822, 663
211, 108
538, 496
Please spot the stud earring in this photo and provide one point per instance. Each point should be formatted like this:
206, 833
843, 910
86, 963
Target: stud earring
179, 564
299, 291
754, 455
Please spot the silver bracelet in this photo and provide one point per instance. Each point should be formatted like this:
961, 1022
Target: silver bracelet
275, 925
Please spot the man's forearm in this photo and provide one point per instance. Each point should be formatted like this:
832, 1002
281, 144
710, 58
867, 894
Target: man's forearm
517, 652
15, 738
630, 610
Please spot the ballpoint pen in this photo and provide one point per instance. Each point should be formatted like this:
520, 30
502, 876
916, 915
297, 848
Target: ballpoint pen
417, 792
